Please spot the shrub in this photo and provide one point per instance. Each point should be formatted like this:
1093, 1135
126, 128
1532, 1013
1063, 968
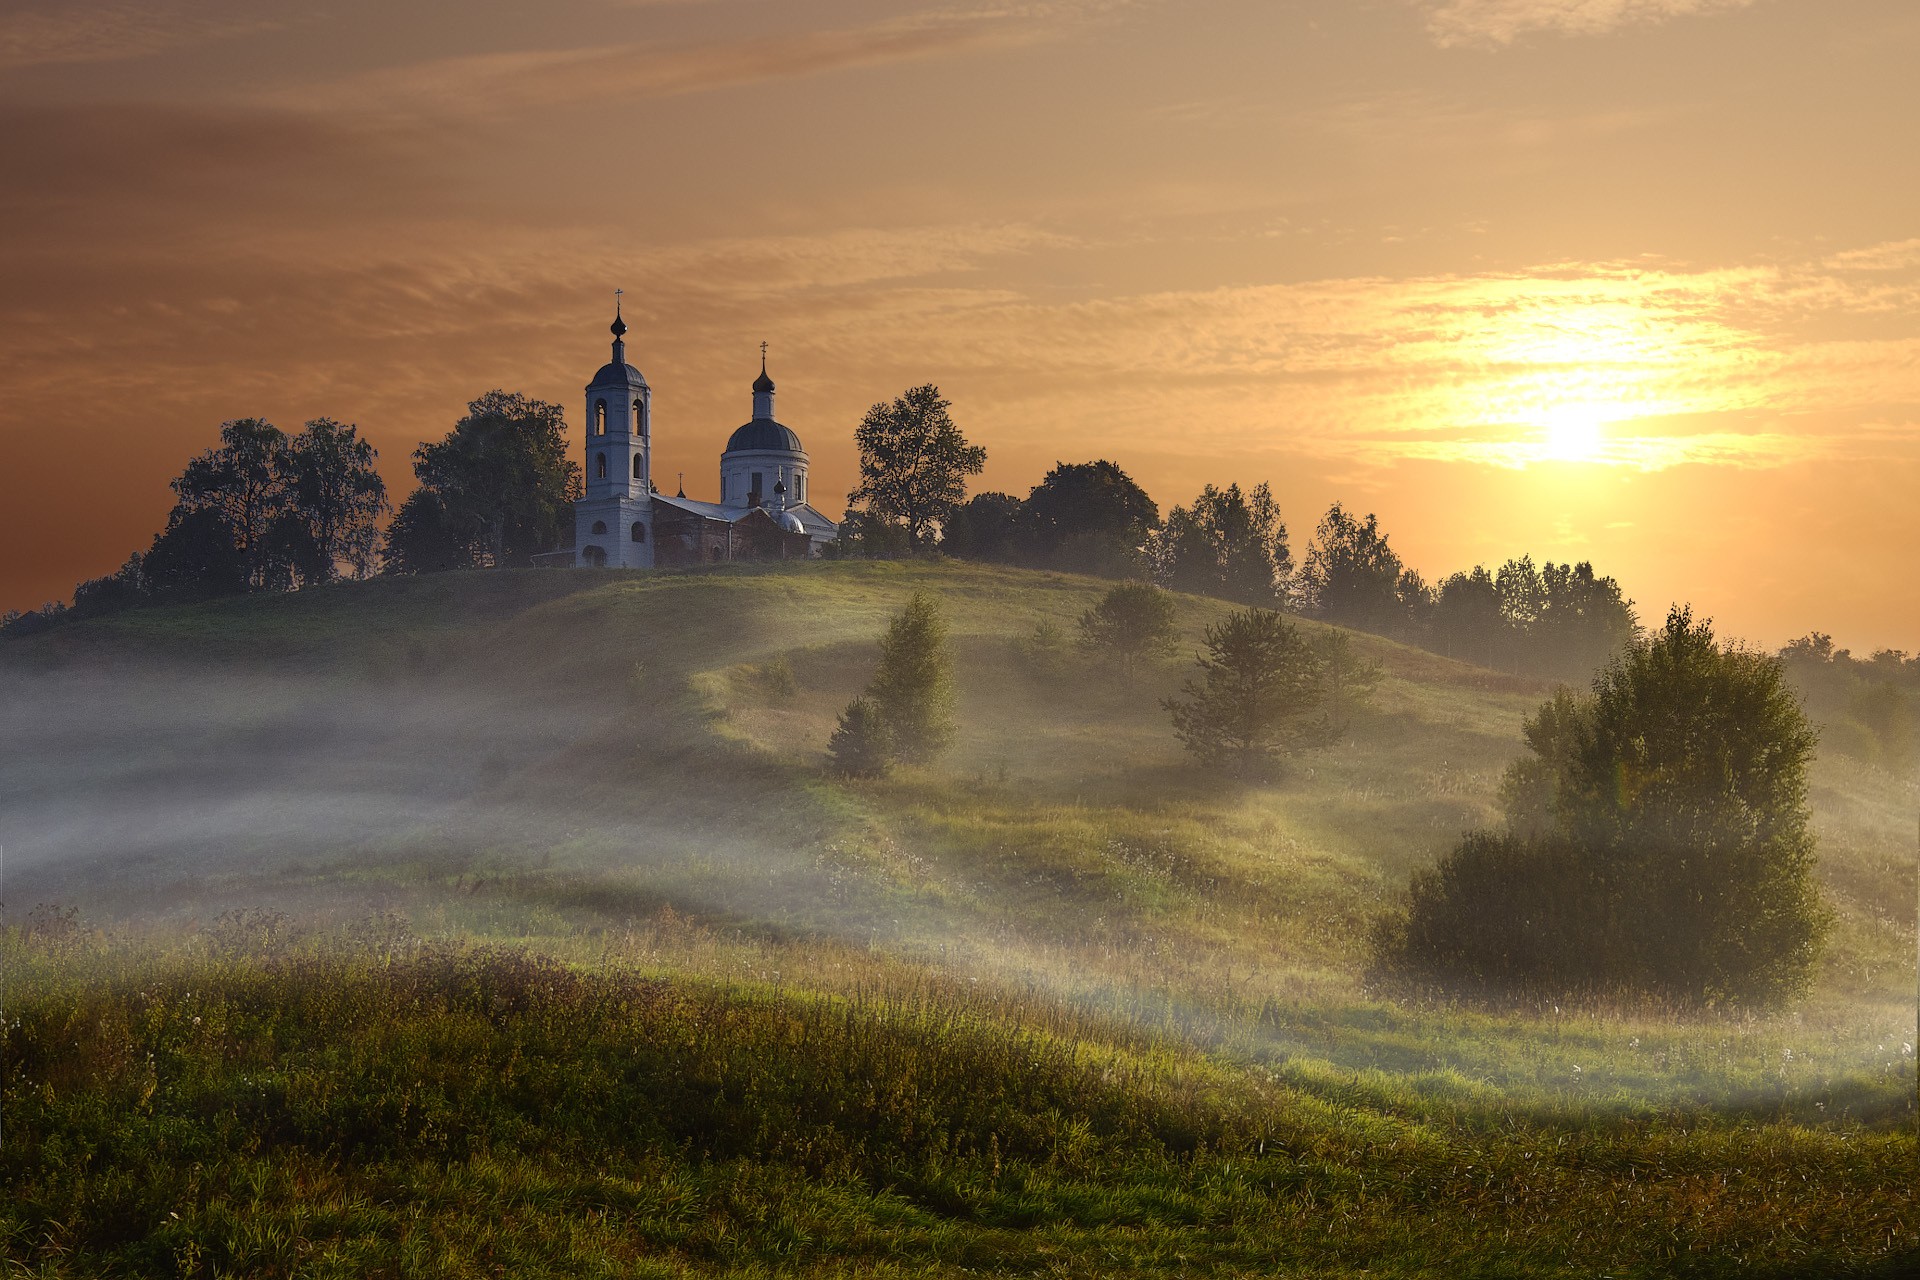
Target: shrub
1133, 623
1660, 829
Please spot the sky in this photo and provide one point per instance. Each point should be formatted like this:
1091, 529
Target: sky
1634, 281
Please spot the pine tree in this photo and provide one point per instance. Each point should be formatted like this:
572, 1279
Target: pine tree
1256, 695
859, 745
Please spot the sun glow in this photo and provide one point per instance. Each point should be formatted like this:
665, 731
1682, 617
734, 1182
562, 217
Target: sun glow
1575, 434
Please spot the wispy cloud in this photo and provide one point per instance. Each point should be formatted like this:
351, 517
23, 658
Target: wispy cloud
495, 84
79, 31
1501, 22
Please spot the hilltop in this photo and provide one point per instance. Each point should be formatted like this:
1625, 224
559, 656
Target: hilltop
622, 774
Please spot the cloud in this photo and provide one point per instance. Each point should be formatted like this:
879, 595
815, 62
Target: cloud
1501, 22
78, 31
496, 84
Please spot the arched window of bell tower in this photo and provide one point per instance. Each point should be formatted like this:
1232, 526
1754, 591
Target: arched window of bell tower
599, 526
600, 466
639, 418
636, 466
599, 417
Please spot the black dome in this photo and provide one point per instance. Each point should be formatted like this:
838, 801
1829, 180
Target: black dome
764, 433
617, 375
763, 382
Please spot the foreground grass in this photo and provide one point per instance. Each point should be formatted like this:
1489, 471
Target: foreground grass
458, 1111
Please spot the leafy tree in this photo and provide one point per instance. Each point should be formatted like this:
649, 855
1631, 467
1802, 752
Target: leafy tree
1351, 575
1347, 680
1132, 623
1664, 819
1467, 622
499, 488
987, 526
1417, 603
859, 746
121, 589
1089, 517
1228, 544
1583, 621
913, 689
196, 556
332, 500
422, 539
914, 463
239, 480
1256, 694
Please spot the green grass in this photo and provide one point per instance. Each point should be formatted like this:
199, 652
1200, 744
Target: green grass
594, 970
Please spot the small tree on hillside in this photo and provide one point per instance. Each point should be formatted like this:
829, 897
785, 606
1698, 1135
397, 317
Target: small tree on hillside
914, 463
1133, 623
859, 745
1347, 680
912, 691
1256, 695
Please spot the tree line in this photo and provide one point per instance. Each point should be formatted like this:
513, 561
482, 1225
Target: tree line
264, 510
1557, 620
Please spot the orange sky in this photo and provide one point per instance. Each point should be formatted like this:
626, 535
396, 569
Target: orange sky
1634, 280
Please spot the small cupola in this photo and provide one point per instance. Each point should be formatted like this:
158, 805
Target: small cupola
763, 390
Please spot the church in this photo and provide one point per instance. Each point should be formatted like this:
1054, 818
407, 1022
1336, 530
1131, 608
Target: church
624, 522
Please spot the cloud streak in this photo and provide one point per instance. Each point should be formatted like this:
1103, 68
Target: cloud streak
1502, 22
79, 32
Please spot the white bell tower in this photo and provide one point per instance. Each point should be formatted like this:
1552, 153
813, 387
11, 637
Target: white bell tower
613, 523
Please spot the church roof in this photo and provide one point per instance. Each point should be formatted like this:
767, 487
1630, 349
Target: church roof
617, 375
764, 433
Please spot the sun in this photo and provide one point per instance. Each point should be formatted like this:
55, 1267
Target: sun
1575, 434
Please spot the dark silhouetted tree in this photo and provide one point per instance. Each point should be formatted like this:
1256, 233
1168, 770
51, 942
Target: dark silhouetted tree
914, 464
332, 500
1256, 695
1133, 623
1228, 544
987, 526
498, 488
1089, 517
1352, 576
239, 480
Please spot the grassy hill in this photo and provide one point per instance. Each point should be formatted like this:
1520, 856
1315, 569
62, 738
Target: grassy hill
1059, 1003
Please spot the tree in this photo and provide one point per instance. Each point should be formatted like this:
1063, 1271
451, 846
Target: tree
502, 485
914, 463
239, 480
987, 526
1228, 544
1467, 622
332, 501
859, 746
1134, 622
912, 691
1352, 576
114, 591
1663, 818
1256, 694
1089, 517
1583, 620
196, 556
1347, 680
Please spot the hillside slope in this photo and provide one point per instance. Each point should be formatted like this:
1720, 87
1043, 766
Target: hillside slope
296, 817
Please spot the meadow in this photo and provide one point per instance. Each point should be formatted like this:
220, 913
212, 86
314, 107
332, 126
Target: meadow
509, 923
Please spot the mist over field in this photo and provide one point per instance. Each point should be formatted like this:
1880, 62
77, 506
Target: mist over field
295, 838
